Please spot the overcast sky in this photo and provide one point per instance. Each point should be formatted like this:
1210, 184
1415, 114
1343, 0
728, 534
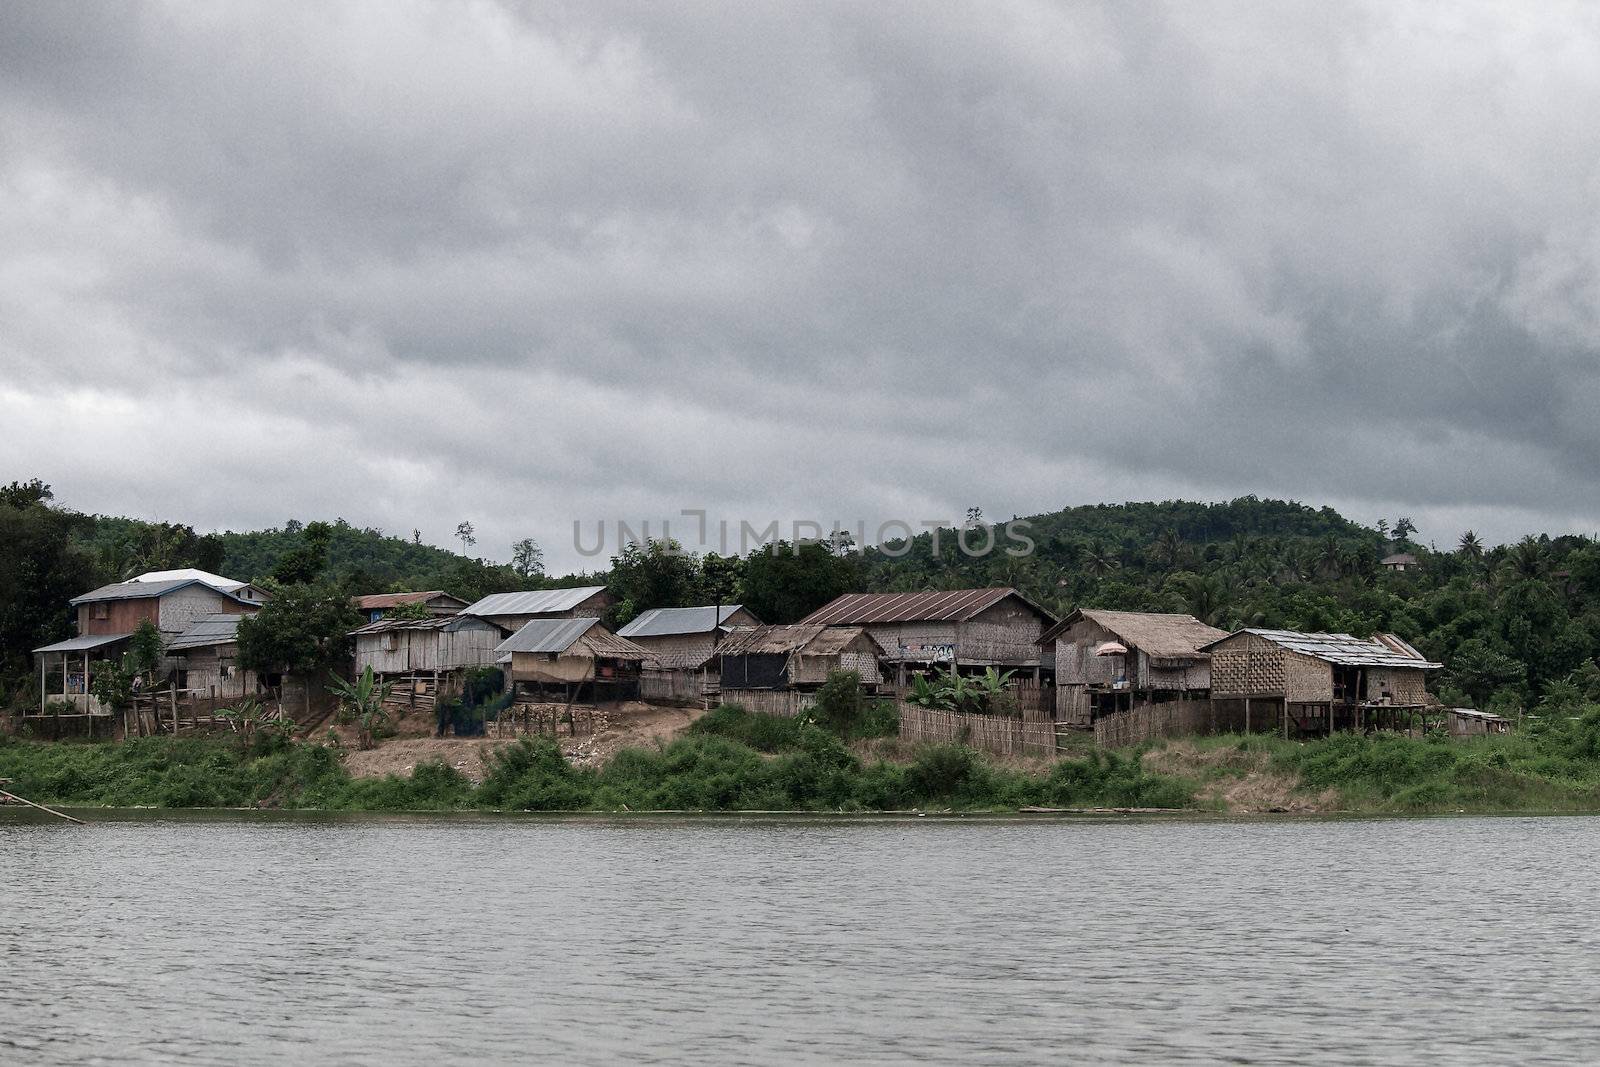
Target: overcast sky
414, 263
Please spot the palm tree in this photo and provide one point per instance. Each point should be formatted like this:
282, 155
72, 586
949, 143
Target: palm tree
1526, 558
1329, 558
1470, 548
1098, 560
1169, 547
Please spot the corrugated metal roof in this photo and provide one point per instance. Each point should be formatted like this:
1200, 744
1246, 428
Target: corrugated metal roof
374, 601
187, 574
668, 622
547, 635
140, 590
436, 622
219, 628
84, 644
938, 606
534, 602
1341, 649
1161, 636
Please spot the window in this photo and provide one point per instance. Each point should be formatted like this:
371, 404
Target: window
102, 610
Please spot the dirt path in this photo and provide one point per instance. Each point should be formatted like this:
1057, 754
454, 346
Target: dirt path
633, 725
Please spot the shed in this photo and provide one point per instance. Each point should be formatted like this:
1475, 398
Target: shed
1318, 682
205, 658
512, 610
444, 643
376, 605
973, 628
1469, 722
1110, 660
685, 638
571, 660
798, 656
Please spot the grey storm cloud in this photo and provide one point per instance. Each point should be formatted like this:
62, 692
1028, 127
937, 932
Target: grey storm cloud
531, 264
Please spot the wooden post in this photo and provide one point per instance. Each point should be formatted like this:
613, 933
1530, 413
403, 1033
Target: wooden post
1246, 714
1286, 718
42, 660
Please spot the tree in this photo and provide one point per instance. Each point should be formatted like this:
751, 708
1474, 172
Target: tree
1404, 528
785, 583
42, 566
466, 535
527, 559
1470, 547
1098, 560
303, 629
304, 563
656, 574
114, 683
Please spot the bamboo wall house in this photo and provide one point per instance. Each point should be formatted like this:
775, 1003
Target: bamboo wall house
571, 661
960, 628
204, 660
513, 610
425, 659
1315, 683
437, 602
685, 639
1108, 661
798, 656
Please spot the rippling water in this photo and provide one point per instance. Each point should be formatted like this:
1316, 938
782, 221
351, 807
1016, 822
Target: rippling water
246, 939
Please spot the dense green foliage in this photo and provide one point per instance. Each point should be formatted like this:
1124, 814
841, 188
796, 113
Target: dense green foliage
302, 629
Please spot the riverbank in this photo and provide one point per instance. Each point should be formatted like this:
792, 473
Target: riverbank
732, 760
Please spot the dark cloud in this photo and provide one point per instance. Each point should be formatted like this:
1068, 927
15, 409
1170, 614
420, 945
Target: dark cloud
535, 263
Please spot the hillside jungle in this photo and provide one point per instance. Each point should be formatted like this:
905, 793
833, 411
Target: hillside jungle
1515, 624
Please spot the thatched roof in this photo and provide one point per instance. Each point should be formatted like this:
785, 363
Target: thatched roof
806, 639
1157, 635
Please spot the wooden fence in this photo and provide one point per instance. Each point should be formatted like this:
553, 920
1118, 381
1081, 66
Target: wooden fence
784, 702
1147, 722
1002, 735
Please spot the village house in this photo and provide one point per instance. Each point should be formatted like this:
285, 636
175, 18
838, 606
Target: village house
1308, 683
571, 661
513, 610
375, 606
961, 628
425, 659
243, 590
1400, 561
204, 661
1108, 661
107, 618
797, 656
685, 639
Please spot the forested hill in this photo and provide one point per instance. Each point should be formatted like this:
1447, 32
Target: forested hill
1515, 624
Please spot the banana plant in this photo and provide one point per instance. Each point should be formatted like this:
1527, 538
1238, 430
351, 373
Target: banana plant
362, 702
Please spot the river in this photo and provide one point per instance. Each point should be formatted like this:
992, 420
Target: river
229, 938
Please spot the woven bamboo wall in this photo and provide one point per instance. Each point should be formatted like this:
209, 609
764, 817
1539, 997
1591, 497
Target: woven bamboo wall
784, 702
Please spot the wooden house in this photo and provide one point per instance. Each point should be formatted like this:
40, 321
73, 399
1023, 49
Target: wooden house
1314, 683
204, 660
425, 658
571, 660
513, 610
375, 606
1400, 561
685, 639
798, 656
960, 628
1110, 661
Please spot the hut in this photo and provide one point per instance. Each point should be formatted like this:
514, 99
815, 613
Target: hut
513, 610
685, 638
1311, 683
1109, 661
1400, 561
437, 602
426, 658
957, 628
797, 656
204, 660
1469, 722
571, 660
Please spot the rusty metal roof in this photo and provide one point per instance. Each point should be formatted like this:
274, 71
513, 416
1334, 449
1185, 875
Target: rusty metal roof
378, 601
811, 639
945, 605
